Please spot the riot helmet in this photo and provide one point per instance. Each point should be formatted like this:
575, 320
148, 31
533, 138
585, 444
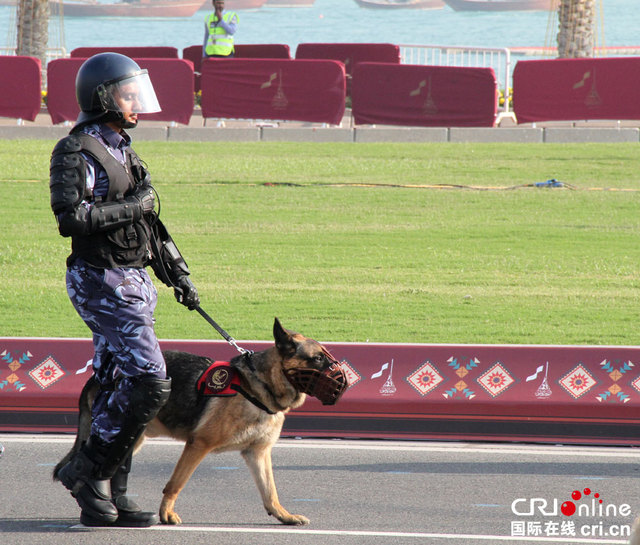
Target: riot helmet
109, 84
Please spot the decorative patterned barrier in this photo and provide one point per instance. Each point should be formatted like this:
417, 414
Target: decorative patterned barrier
172, 80
293, 90
576, 89
20, 86
570, 394
424, 96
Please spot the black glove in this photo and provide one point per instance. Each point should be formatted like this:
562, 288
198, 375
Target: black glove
145, 198
186, 293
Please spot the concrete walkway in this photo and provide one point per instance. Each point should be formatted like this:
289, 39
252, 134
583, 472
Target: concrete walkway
211, 130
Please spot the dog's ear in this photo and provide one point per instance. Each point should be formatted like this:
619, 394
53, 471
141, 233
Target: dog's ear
284, 341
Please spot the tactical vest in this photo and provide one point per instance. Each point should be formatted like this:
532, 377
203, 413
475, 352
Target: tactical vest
126, 246
218, 41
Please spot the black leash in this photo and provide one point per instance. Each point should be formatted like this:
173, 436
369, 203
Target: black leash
247, 356
222, 332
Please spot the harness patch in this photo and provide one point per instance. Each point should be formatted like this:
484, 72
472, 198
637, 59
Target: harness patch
218, 380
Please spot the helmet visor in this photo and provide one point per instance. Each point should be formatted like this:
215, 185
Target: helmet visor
133, 94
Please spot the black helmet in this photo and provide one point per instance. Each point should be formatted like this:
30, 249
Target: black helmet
99, 83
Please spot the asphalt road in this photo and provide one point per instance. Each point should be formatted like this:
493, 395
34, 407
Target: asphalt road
354, 492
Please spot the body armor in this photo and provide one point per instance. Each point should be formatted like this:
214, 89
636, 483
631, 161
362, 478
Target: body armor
112, 232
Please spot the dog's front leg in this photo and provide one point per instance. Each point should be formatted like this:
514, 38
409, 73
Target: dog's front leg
258, 459
193, 453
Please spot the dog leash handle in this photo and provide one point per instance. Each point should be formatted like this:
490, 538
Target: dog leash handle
222, 332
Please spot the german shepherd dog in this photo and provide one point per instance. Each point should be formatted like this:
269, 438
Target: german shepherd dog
270, 384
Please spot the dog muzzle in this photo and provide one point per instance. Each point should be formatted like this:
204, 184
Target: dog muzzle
327, 385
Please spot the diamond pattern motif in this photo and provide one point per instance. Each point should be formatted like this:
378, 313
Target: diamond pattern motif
425, 379
496, 380
636, 384
578, 381
352, 375
48, 372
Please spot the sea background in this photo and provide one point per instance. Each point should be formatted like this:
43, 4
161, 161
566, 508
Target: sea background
341, 21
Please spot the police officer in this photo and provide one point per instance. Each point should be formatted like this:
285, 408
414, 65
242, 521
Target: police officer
219, 28
102, 198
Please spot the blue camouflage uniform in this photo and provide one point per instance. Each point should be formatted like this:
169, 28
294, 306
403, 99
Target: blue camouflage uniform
118, 305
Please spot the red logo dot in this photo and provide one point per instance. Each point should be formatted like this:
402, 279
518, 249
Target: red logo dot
576, 495
568, 508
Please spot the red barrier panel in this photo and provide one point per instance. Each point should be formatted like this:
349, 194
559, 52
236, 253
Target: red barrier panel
61, 89
576, 89
193, 53
569, 394
172, 80
173, 83
262, 51
273, 89
424, 96
20, 87
243, 51
350, 54
141, 52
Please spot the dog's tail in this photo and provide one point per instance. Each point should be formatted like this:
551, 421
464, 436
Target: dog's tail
84, 423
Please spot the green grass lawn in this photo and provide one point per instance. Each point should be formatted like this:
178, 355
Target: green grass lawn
297, 231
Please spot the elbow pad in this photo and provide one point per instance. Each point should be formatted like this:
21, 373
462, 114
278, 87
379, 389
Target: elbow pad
105, 216
101, 217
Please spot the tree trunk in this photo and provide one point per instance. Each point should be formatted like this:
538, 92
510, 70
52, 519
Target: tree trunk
33, 29
577, 28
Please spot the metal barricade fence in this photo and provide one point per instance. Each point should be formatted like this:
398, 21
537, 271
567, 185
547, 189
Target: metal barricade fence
478, 57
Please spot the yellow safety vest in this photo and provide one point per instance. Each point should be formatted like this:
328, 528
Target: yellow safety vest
218, 41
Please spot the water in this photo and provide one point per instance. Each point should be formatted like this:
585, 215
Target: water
345, 21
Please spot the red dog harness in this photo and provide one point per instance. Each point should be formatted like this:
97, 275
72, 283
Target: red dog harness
219, 380
223, 380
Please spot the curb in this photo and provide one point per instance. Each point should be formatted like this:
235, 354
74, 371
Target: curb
517, 135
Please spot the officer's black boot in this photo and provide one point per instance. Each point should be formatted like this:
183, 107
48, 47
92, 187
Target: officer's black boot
129, 513
88, 475
91, 490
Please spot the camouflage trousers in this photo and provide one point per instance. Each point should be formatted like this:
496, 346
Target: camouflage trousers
117, 305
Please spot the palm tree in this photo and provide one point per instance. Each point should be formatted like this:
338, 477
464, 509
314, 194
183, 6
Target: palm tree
577, 28
33, 29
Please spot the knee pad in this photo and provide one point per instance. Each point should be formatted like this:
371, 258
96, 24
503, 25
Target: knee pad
148, 396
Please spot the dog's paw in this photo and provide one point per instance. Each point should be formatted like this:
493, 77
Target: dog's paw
170, 517
287, 518
167, 514
295, 520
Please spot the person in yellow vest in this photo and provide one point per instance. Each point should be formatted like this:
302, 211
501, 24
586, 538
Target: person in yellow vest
219, 28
